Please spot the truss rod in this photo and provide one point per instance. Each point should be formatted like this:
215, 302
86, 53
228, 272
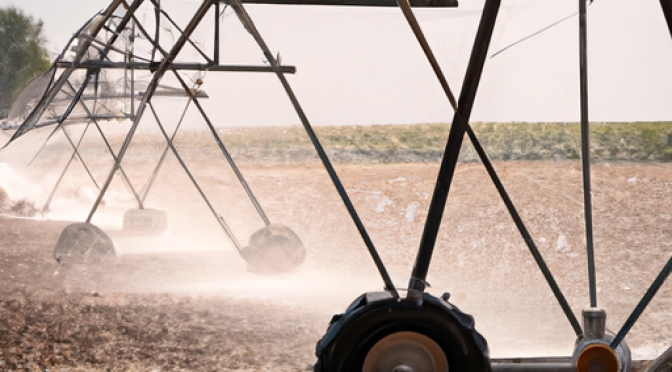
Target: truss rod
100, 43
75, 149
61, 119
56, 87
129, 58
193, 97
217, 33
124, 176
225, 152
151, 89
179, 29
157, 29
44, 144
420, 36
643, 303
157, 47
493, 175
234, 167
162, 159
444, 180
45, 208
374, 3
408, 13
219, 218
251, 28
550, 279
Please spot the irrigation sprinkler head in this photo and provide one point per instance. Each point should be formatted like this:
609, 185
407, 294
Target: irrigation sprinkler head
274, 249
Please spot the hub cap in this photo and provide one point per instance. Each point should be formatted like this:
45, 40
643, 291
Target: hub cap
405, 352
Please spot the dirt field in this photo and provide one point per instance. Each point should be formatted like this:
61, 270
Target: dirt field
184, 301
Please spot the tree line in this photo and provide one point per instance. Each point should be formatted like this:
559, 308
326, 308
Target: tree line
23, 55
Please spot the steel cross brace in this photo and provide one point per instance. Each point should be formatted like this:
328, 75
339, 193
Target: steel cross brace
124, 176
45, 208
226, 153
458, 129
145, 189
667, 269
251, 28
57, 86
76, 153
151, 89
161, 68
221, 146
221, 221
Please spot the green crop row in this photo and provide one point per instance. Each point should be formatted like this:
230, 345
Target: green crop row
640, 141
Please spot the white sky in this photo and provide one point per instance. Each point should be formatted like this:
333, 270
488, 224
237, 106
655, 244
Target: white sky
363, 66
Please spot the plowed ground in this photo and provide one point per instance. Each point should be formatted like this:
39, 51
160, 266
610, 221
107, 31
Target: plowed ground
184, 301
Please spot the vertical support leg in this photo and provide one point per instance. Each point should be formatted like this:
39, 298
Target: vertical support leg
585, 151
460, 122
217, 33
250, 27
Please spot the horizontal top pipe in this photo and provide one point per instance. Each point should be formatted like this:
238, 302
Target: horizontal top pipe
375, 3
176, 66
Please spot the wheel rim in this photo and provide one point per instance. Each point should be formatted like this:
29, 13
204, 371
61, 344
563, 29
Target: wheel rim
405, 352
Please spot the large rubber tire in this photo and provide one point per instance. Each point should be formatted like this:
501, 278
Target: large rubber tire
464, 349
145, 221
274, 249
85, 253
83, 243
663, 363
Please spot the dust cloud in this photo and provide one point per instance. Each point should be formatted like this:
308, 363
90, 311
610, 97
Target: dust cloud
480, 257
193, 256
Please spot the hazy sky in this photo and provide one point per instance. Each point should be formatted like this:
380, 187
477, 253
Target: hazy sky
363, 66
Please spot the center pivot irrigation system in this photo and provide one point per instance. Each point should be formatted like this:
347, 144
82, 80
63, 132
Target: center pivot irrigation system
381, 331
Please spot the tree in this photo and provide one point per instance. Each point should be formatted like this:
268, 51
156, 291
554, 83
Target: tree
22, 54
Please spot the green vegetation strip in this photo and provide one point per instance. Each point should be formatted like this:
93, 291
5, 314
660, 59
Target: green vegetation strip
641, 141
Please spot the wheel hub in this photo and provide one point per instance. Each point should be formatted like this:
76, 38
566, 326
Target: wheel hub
405, 352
